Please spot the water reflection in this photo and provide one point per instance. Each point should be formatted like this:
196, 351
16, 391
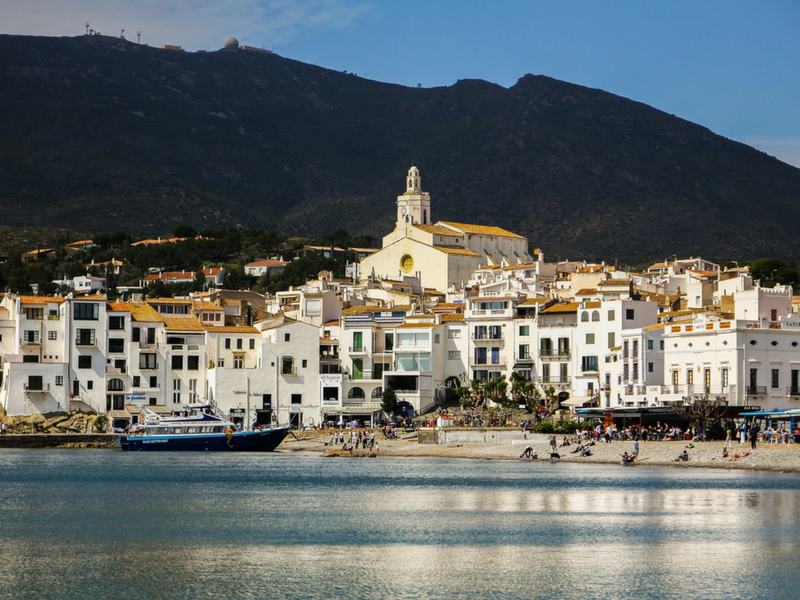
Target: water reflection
79, 524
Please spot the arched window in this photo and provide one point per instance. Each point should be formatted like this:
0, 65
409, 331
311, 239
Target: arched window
377, 392
596, 315
116, 385
584, 317
355, 392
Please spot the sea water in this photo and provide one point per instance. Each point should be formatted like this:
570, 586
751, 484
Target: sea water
92, 524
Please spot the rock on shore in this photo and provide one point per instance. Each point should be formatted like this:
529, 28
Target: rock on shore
60, 422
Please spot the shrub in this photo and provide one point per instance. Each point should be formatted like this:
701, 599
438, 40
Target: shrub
565, 426
544, 427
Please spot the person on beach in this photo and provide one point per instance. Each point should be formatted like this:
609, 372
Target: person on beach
636, 449
728, 439
626, 459
754, 429
3, 427
527, 452
553, 444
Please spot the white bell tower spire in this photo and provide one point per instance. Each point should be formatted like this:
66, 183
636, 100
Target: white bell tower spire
414, 207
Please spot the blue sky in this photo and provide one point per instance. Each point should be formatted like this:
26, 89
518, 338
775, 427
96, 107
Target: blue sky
730, 65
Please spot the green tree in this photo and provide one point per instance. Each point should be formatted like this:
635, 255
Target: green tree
771, 272
388, 401
184, 231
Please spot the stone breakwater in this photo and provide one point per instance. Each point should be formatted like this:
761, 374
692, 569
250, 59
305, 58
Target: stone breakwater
767, 457
62, 422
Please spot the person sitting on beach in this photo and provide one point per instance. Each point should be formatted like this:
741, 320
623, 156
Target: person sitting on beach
736, 456
579, 448
585, 451
565, 442
527, 452
626, 458
725, 453
684, 456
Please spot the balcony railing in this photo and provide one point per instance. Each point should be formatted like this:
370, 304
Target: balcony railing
756, 390
523, 358
43, 388
479, 337
85, 341
554, 352
793, 390
116, 370
357, 349
30, 342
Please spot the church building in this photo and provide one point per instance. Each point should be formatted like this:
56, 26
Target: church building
439, 254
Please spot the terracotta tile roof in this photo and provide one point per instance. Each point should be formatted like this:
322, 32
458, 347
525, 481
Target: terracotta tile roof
332, 322
179, 301
39, 300
267, 263
182, 275
452, 317
117, 307
480, 229
562, 308
231, 329
534, 301
183, 324
462, 251
437, 230
592, 305
144, 313
92, 298
656, 327
415, 325
586, 292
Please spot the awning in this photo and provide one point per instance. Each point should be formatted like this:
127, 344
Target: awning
159, 410
118, 414
350, 410
577, 401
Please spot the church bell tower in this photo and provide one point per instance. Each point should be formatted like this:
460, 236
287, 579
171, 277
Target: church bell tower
414, 206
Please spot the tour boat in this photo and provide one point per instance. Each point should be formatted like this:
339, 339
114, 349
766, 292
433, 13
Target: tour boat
201, 429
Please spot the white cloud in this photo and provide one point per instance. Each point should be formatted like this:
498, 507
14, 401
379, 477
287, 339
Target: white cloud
193, 24
785, 149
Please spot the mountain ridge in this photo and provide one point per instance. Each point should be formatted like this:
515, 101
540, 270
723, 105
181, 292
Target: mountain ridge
104, 134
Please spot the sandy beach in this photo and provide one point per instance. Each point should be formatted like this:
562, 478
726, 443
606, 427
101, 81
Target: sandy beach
767, 457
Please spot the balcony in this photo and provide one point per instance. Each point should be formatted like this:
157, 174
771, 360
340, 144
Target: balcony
41, 388
358, 350
756, 390
116, 370
30, 342
793, 391
554, 380
523, 358
554, 353
85, 341
486, 337
498, 363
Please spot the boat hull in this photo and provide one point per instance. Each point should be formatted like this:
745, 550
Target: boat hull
243, 441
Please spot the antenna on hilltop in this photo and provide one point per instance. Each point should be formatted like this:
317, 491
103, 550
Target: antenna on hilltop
122, 34
138, 37
87, 27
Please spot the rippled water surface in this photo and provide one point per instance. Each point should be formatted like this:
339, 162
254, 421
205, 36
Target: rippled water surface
106, 524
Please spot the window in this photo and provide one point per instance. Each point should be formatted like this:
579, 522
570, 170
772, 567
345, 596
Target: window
355, 392
412, 340
252, 344
151, 335
176, 391
724, 377
116, 323
629, 314
453, 354
455, 334
116, 345
389, 341
305, 363
612, 340
524, 330
153, 381
773, 316
177, 362
84, 362
297, 398
239, 343
776, 377
30, 337
649, 344
238, 361
221, 363
287, 337
689, 376
116, 385
595, 315
227, 343
136, 334
650, 367
84, 337
90, 385
612, 316
59, 380
416, 361
86, 311
590, 338
52, 335
358, 341
435, 338
193, 390
137, 381
193, 363
287, 365
148, 361
585, 317
589, 363
36, 313
524, 351
661, 344
377, 392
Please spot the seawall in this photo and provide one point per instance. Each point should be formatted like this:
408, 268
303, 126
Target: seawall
60, 440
